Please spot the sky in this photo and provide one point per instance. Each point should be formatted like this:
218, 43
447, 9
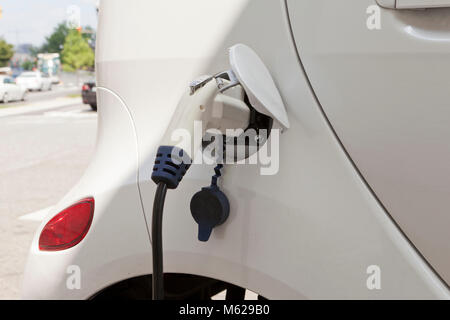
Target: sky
30, 21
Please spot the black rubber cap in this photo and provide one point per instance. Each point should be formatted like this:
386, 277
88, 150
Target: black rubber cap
210, 208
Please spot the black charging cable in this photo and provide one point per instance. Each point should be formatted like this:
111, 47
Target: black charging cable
170, 166
158, 275
209, 207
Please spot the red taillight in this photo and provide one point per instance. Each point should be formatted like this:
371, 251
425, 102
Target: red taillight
68, 227
85, 87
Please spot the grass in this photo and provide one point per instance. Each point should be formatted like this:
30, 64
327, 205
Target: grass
4, 106
74, 95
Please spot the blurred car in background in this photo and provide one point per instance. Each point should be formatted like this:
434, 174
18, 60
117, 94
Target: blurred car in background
10, 91
16, 72
34, 80
55, 79
89, 94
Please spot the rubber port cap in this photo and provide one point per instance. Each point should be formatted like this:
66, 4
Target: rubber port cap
209, 208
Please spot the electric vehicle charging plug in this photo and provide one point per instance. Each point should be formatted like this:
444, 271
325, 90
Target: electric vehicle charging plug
205, 103
212, 108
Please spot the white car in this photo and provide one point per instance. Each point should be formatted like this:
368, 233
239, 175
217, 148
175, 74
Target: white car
10, 91
34, 81
352, 202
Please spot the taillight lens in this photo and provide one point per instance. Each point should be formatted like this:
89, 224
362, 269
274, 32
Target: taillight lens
68, 227
85, 87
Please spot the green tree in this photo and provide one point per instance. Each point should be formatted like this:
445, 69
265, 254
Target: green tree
34, 50
76, 53
54, 43
28, 65
88, 33
6, 52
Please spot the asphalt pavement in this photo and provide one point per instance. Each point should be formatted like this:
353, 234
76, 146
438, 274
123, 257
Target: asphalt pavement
56, 91
46, 144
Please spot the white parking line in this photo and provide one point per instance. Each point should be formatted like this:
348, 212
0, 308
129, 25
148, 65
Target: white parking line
70, 114
36, 215
39, 106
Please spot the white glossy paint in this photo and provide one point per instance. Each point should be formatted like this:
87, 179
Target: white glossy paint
309, 231
117, 244
386, 93
421, 4
9, 90
258, 84
414, 4
387, 3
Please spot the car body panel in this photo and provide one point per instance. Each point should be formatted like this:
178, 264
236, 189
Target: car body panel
288, 235
89, 96
34, 80
14, 91
386, 93
117, 245
310, 231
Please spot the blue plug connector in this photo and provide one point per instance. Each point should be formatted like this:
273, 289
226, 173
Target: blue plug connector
170, 166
